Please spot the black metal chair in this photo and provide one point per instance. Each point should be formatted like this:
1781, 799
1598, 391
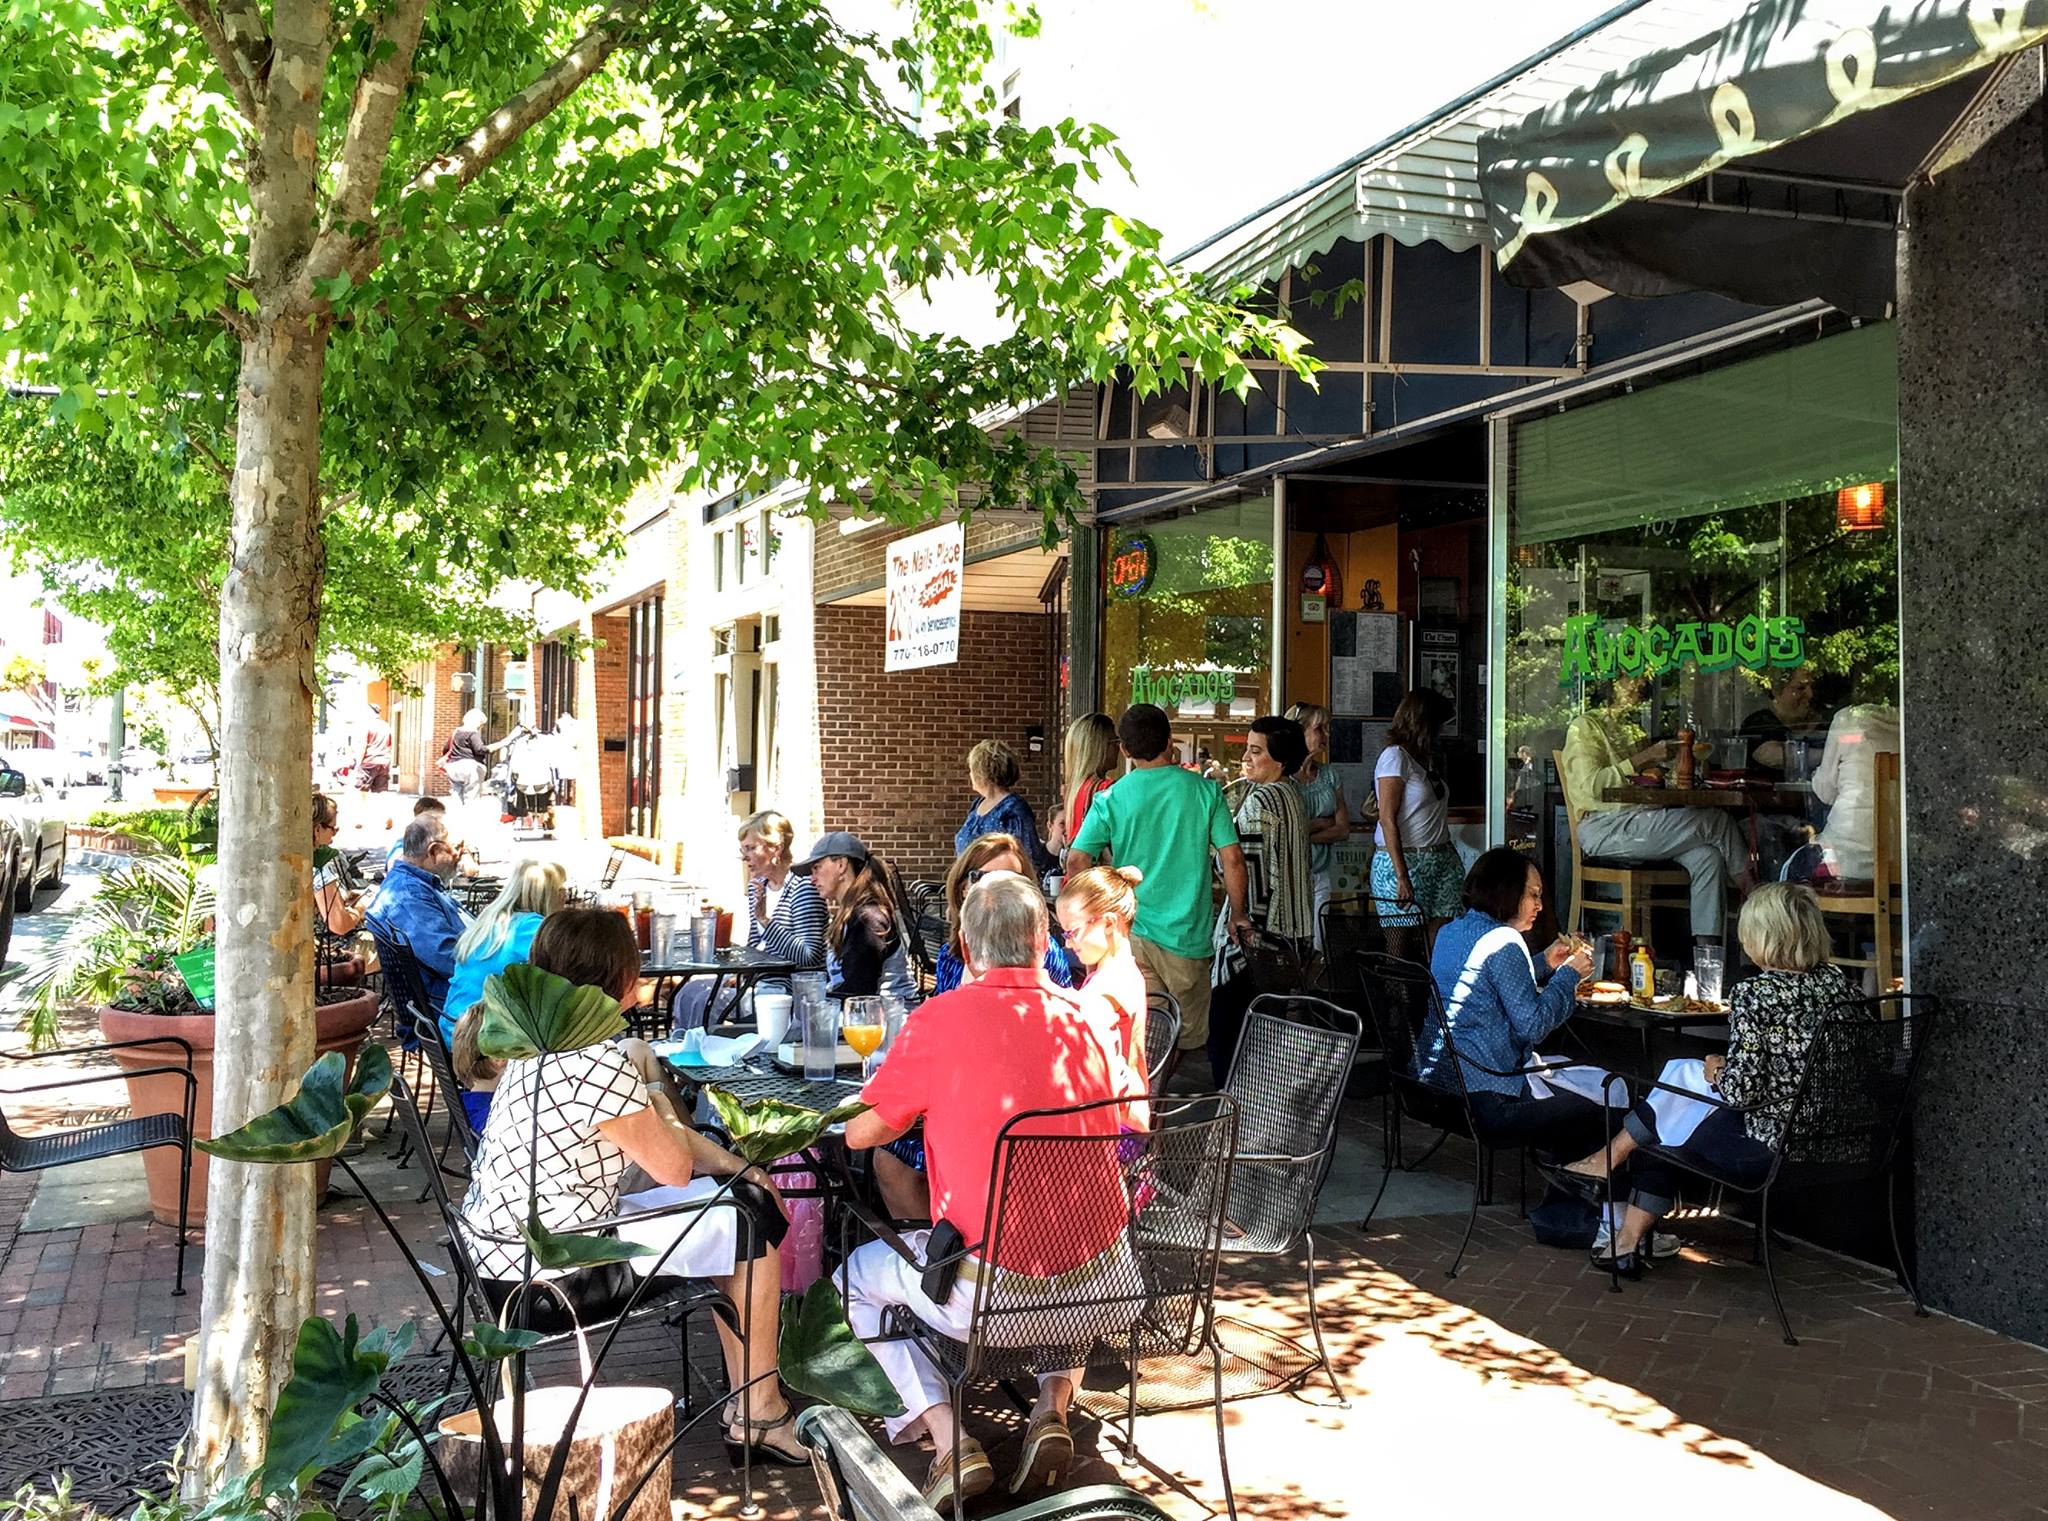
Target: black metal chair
91, 1143
441, 1063
1293, 1060
1158, 1199
1162, 1038
1842, 1125
612, 867
1406, 1012
404, 995
475, 894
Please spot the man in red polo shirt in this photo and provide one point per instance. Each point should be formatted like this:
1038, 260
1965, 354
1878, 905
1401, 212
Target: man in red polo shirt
1008, 1041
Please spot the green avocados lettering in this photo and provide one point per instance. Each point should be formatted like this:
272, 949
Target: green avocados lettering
1595, 653
1171, 689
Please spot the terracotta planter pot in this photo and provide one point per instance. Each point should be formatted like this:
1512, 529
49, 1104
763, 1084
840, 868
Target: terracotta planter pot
344, 973
340, 1027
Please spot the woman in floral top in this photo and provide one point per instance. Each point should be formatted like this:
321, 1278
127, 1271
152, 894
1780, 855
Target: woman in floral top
1773, 1020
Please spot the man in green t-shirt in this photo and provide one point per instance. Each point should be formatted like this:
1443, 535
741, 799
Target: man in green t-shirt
1165, 821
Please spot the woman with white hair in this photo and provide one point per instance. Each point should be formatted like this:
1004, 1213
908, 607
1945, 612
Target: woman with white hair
501, 936
468, 759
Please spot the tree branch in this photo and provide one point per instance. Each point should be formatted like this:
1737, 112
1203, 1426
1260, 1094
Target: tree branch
372, 118
200, 14
503, 127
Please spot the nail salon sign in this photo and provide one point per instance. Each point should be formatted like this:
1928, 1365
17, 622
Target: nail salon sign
923, 587
1595, 650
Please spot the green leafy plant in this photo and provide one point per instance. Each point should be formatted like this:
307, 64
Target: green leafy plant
315, 1121
820, 1356
765, 1130
528, 1012
153, 906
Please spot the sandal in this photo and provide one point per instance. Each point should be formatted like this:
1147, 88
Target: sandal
775, 1440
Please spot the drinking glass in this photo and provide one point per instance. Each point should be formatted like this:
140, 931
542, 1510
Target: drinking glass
704, 937
1709, 963
821, 1040
863, 1026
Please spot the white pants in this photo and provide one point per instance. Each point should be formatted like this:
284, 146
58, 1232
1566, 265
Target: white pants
1707, 842
877, 1277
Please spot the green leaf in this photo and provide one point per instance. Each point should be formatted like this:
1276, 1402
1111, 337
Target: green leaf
333, 289
765, 1130
318, 1119
528, 1012
381, 1477
332, 1372
572, 1249
487, 1342
818, 1354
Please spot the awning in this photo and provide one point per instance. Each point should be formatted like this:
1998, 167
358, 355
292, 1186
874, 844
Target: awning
1762, 158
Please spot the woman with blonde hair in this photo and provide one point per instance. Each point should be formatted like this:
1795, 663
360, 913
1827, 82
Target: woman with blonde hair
501, 936
1088, 754
785, 918
1773, 1020
986, 854
1322, 797
999, 807
1095, 911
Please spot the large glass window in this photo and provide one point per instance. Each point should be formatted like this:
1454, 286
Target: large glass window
1718, 554
1187, 621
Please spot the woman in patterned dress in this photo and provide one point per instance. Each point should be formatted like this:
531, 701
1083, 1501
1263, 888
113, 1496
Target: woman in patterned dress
1773, 1020
563, 1128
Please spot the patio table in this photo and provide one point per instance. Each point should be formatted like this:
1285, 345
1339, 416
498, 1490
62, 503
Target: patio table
744, 966
1659, 1033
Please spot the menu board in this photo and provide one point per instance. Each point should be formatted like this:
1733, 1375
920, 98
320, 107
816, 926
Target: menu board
1367, 667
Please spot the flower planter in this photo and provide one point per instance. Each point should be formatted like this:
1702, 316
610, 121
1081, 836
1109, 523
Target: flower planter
340, 1027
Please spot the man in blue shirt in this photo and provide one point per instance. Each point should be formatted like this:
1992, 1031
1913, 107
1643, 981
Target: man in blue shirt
412, 903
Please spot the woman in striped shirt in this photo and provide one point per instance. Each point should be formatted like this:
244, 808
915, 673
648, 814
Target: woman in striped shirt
785, 916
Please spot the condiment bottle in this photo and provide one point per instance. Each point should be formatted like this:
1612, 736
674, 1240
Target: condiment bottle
1642, 975
1618, 962
1686, 762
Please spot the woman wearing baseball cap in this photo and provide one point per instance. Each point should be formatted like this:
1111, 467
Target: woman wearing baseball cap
865, 952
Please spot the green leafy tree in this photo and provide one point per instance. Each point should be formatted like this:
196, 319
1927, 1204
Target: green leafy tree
464, 275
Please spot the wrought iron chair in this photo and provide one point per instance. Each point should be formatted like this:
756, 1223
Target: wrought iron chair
441, 1063
1162, 1038
1287, 1078
91, 1143
475, 894
1842, 1125
1158, 1199
612, 867
673, 1299
405, 993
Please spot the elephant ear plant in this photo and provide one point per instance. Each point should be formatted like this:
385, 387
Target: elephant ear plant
333, 1414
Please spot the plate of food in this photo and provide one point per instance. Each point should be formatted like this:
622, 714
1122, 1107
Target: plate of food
1604, 993
1679, 1003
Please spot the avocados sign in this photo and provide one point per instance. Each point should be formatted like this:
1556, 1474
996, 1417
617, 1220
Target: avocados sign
1595, 652
1173, 688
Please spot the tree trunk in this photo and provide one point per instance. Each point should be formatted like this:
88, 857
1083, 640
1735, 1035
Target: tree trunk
259, 1251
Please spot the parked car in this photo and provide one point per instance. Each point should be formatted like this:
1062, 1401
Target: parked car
40, 828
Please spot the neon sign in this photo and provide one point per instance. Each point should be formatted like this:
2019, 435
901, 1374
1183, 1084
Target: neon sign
1595, 652
1130, 567
1172, 689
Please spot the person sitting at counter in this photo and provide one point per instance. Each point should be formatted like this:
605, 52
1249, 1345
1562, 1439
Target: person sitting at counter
1706, 842
1789, 716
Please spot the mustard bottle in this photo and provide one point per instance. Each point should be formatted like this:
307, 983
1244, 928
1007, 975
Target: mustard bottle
1642, 975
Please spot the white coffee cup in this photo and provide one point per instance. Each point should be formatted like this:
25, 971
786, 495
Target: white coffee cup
771, 1015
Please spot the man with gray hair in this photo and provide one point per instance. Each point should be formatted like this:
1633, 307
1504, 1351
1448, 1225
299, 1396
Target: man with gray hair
412, 903
1006, 1041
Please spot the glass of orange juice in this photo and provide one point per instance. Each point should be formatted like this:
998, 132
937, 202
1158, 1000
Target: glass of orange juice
862, 1028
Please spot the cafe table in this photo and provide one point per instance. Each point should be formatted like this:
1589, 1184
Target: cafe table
758, 1077
1658, 1034
1780, 798
743, 966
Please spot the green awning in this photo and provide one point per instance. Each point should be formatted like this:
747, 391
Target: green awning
1777, 73
1776, 428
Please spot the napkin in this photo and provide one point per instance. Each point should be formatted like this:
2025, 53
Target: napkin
696, 1049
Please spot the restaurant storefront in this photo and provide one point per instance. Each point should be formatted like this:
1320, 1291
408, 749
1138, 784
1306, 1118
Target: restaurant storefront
1714, 553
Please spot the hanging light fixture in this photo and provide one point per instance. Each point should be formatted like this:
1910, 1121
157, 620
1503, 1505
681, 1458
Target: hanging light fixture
1860, 509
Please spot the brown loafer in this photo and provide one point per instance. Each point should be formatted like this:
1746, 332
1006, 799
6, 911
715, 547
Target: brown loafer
1048, 1453
977, 1475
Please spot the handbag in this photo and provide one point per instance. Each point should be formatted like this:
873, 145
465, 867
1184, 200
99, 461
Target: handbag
622, 1431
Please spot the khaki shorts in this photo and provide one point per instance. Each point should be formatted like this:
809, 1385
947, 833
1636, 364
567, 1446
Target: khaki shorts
1187, 979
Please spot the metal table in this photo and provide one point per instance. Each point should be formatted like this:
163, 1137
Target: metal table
744, 966
1658, 1033
1776, 799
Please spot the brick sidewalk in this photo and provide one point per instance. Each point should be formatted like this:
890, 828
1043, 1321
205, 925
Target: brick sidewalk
1524, 1385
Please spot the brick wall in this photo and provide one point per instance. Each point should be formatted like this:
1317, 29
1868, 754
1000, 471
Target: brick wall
603, 679
894, 747
422, 718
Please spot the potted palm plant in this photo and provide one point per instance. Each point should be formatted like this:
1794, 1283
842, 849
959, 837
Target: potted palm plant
117, 958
